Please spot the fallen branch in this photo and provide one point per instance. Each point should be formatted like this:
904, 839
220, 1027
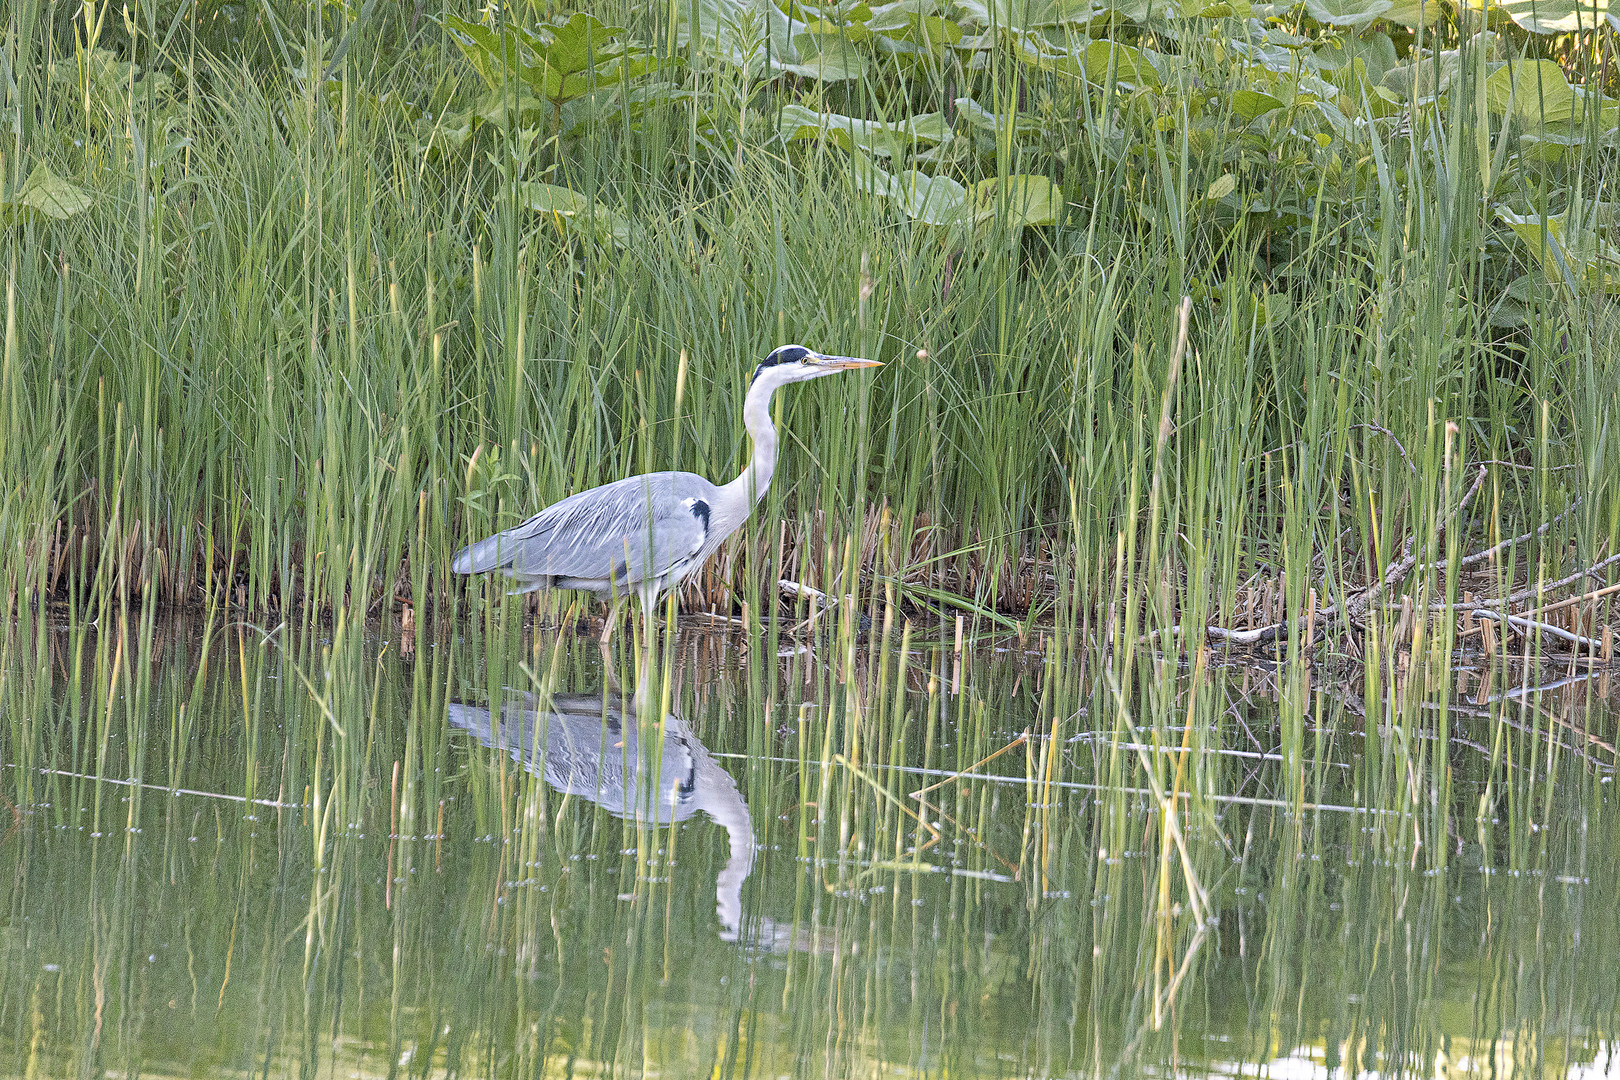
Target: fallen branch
1259, 635
1480, 556
1536, 590
1531, 625
797, 591
1356, 606
1593, 595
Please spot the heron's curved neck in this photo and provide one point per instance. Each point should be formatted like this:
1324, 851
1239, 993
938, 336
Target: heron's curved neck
750, 487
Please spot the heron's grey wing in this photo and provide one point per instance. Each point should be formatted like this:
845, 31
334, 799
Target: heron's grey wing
627, 531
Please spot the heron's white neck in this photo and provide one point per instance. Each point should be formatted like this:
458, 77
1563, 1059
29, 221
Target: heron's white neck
743, 492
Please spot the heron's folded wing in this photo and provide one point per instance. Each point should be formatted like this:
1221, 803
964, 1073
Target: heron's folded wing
628, 531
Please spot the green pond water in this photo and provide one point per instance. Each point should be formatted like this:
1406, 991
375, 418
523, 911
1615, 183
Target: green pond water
252, 851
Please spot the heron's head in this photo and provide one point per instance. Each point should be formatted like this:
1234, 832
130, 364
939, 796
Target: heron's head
795, 363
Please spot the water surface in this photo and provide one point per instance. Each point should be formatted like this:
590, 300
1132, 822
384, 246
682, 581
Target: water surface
239, 852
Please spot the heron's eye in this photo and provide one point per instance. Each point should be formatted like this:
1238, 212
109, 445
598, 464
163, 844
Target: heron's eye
787, 354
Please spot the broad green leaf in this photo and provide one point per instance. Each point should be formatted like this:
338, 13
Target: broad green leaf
844, 14
46, 195
869, 178
1347, 12
973, 13
1519, 299
1248, 104
556, 61
1570, 252
900, 14
1413, 13
1223, 186
610, 104
1561, 16
492, 55
977, 115
1145, 11
574, 44
869, 136
808, 37
932, 200
571, 211
1276, 35
1019, 200
1375, 51
1543, 237
743, 32
928, 31
1271, 57
1094, 63
928, 127
510, 107
1422, 79
1548, 150
1227, 9
828, 58
1537, 90
797, 122
1022, 15
982, 118
1128, 65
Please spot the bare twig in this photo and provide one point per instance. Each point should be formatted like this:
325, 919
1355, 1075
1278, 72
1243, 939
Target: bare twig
1391, 436
1526, 468
1472, 491
1019, 741
1411, 541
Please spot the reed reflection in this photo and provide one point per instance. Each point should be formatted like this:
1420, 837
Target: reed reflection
593, 747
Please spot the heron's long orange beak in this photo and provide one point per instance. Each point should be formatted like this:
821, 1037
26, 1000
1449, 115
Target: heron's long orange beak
841, 362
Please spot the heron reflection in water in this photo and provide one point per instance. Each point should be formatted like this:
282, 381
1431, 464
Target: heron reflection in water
581, 746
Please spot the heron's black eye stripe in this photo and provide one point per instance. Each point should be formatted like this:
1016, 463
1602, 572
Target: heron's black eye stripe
787, 354
700, 510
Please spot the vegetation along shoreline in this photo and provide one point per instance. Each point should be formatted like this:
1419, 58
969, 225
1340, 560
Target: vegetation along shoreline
296, 307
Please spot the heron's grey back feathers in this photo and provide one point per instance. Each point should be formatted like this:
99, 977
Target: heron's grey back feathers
608, 539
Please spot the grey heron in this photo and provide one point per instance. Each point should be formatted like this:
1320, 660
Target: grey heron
642, 535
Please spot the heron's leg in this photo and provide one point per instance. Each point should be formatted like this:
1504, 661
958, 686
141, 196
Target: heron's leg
612, 618
607, 653
649, 601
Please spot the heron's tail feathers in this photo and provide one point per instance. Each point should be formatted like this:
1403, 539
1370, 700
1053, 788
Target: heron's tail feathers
491, 553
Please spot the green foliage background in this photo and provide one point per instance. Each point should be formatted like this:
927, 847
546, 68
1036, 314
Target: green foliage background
300, 298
